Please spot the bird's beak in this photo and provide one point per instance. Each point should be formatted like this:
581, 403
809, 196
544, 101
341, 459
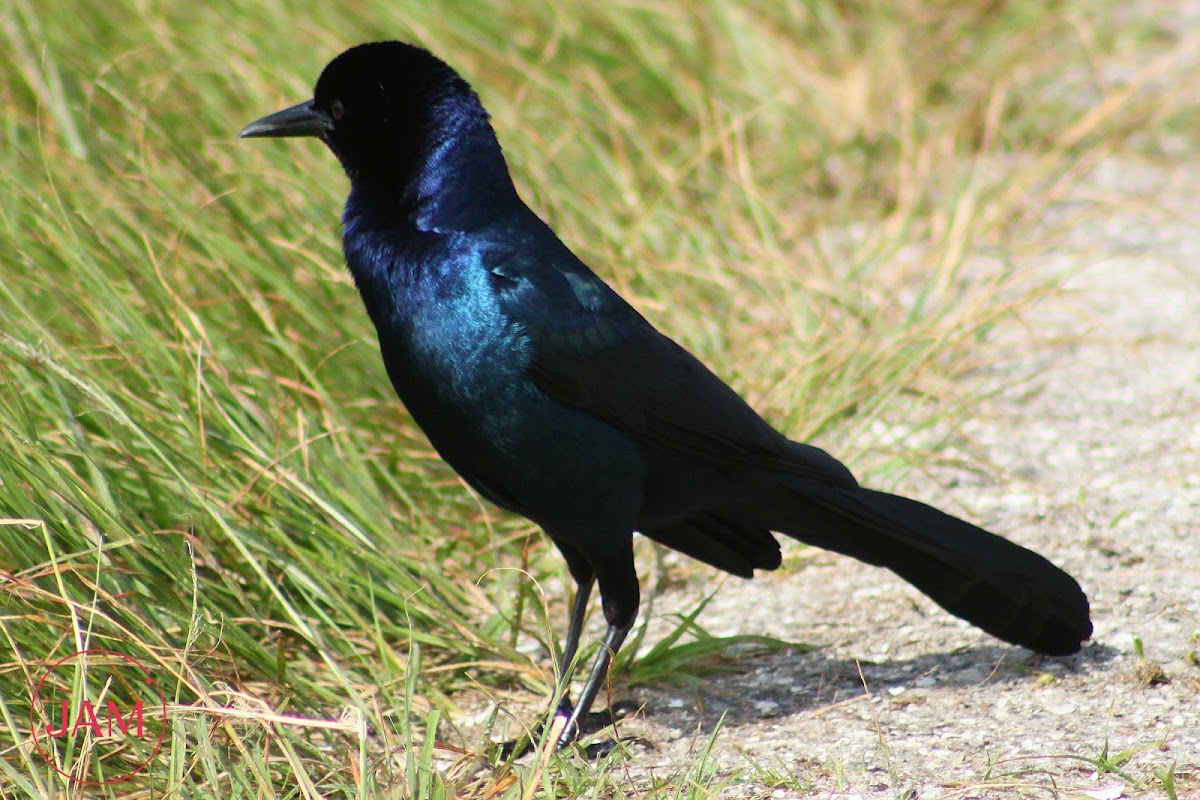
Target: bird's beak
299, 120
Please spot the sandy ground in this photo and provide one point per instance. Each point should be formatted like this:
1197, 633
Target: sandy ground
1098, 441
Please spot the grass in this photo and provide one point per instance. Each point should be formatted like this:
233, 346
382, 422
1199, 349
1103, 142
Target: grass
201, 462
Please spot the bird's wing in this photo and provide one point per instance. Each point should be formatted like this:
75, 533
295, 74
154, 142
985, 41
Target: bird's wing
593, 352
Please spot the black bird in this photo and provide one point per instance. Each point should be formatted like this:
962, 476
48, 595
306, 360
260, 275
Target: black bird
555, 399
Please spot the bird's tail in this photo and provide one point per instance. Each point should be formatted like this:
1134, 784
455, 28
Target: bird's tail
1008, 591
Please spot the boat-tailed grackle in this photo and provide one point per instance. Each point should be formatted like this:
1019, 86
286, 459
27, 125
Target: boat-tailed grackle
555, 399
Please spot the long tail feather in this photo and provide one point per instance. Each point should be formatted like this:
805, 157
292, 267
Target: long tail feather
997, 585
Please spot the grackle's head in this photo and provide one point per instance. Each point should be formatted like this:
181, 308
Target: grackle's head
383, 108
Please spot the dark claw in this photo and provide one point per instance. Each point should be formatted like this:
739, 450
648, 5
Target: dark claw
513, 748
600, 749
597, 721
591, 723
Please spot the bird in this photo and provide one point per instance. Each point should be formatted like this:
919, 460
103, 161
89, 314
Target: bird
553, 398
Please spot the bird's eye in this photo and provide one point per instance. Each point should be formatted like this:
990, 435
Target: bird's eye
337, 110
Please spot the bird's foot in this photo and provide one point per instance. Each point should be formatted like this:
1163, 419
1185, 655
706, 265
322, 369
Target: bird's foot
587, 725
597, 721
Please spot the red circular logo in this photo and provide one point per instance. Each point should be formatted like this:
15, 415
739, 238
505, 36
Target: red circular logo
98, 739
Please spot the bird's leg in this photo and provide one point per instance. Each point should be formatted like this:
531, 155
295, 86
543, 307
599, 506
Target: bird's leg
583, 592
619, 593
619, 599
612, 643
585, 581
595, 720
574, 632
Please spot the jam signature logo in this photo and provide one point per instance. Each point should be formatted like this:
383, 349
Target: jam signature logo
98, 738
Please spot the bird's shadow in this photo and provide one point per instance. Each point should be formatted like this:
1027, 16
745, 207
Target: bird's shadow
780, 684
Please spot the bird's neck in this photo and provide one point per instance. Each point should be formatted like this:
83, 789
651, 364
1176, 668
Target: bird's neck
454, 178
464, 182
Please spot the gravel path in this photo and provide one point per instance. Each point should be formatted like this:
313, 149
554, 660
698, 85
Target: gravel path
1100, 442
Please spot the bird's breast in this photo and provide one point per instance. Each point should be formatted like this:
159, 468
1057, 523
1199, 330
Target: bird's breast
460, 366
